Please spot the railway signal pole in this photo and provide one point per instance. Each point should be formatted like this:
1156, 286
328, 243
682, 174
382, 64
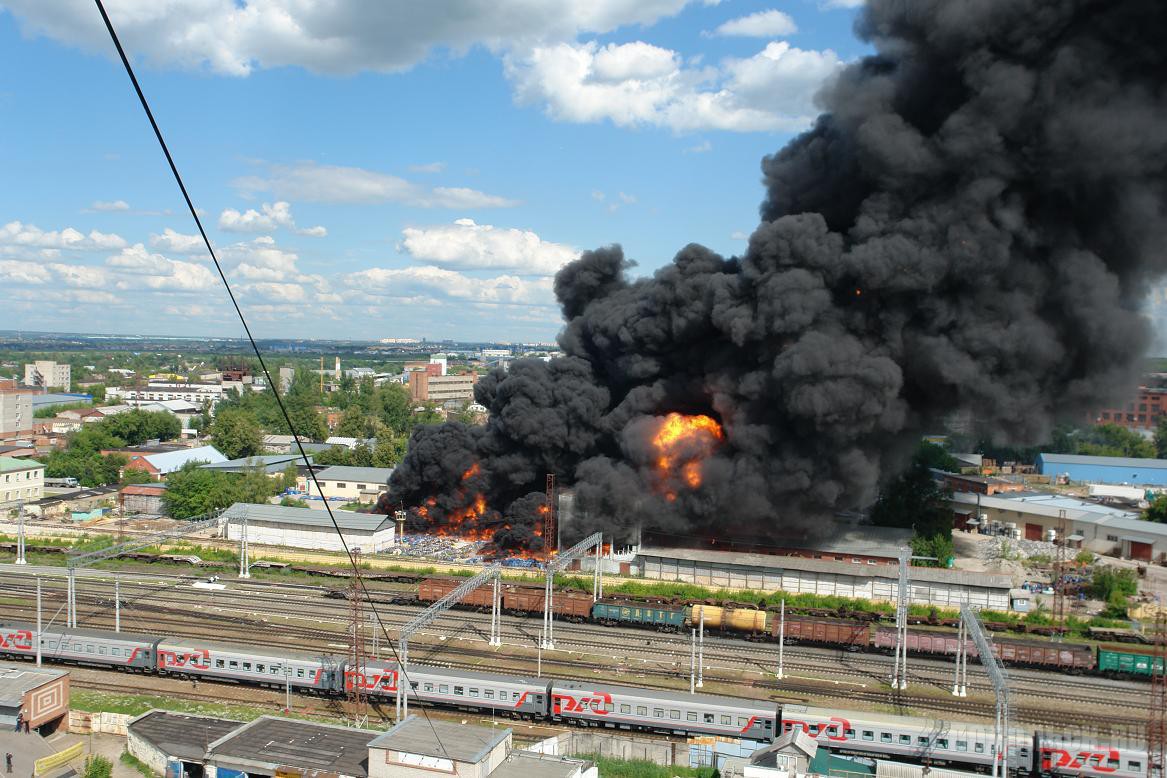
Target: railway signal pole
960, 673
899, 676
38, 621
244, 562
355, 674
553, 567
701, 651
20, 560
781, 635
117, 604
693, 663
992, 665
1157, 714
1059, 572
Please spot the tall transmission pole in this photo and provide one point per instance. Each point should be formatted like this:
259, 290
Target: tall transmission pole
358, 696
1059, 573
550, 528
1157, 713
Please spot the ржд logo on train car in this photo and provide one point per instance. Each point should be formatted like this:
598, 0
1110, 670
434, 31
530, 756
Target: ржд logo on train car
198, 659
372, 679
1066, 760
19, 640
587, 702
836, 730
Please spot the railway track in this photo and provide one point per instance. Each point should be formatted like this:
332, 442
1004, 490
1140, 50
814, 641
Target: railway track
668, 656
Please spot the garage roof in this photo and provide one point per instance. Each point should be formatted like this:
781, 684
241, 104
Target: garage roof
308, 517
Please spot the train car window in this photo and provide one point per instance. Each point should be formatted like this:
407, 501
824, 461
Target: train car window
488, 694
943, 743
906, 739
691, 716
768, 723
386, 683
458, 690
979, 748
115, 651
675, 715
443, 689
275, 670
628, 709
235, 666
814, 729
641, 710
429, 687
473, 692
962, 745
413, 685
921, 741
868, 734
608, 707
787, 727
742, 721
247, 666
727, 719
1131, 764
88, 649
218, 663
849, 734
658, 713
1112, 763
260, 667
708, 718
101, 650
299, 672
884, 737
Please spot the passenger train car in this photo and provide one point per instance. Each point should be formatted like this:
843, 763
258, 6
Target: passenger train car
932, 741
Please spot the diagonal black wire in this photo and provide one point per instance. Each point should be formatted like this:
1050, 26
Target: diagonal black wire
403, 678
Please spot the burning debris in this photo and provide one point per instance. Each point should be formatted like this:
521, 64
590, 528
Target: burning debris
972, 225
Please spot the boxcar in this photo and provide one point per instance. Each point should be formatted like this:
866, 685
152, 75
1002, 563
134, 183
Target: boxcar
606, 705
1043, 653
666, 618
250, 664
517, 599
83, 646
1127, 660
830, 632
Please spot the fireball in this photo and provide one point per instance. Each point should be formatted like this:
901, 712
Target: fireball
682, 444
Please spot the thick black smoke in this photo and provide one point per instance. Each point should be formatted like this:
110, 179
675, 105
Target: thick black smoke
971, 225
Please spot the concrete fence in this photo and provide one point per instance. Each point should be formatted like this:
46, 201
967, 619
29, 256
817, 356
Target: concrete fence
85, 723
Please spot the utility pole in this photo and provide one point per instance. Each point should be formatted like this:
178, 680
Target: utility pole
20, 560
1059, 573
287, 687
701, 651
693, 662
357, 694
244, 563
496, 613
38, 621
899, 677
960, 673
781, 635
1157, 710
117, 604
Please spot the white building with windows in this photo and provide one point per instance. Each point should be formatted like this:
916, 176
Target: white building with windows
278, 525
45, 372
21, 480
355, 484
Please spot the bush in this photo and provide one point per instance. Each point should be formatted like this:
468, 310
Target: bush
97, 767
1108, 580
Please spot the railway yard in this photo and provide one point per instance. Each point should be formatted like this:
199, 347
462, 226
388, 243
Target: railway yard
302, 619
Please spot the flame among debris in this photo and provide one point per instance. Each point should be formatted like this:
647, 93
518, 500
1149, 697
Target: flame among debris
682, 444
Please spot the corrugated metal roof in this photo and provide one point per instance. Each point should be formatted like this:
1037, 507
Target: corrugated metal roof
10, 464
171, 461
460, 742
1050, 506
179, 734
270, 463
1127, 462
278, 742
282, 514
890, 572
373, 475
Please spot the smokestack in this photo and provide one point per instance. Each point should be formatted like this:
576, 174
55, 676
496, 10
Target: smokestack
336, 370
971, 225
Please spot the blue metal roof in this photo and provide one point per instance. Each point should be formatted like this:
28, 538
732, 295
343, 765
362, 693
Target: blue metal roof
1079, 459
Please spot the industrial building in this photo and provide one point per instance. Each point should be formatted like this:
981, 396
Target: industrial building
840, 542
356, 484
176, 744
278, 525
162, 463
424, 387
1103, 470
869, 581
1102, 529
1141, 413
36, 696
21, 480
142, 498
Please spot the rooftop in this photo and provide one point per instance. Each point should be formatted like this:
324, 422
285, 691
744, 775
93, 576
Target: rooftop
459, 742
527, 764
1125, 462
80, 494
269, 463
270, 742
350, 520
171, 461
1051, 506
180, 735
373, 475
939, 575
15, 681
12, 464
150, 490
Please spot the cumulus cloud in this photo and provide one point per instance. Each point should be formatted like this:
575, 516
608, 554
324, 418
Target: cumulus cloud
422, 283
432, 167
178, 242
18, 234
15, 271
700, 148
138, 268
333, 184
763, 24
267, 219
466, 245
843, 3
109, 205
235, 37
637, 84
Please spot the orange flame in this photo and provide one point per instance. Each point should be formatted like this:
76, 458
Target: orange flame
682, 443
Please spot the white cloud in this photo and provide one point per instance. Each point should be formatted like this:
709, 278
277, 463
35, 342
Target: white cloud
110, 205
137, 268
700, 148
422, 283
627, 199
269, 218
332, 184
843, 3
327, 36
432, 167
597, 195
20, 272
576, 82
763, 24
17, 234
178, 242
466, 245
739, 235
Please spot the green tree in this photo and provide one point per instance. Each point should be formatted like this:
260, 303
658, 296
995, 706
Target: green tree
353, 423
137, 426
1108, 581
194, 491
1156, 511
135, 476
1161, 438
293, 502
915, 500
394, 407
390, 450
236, 433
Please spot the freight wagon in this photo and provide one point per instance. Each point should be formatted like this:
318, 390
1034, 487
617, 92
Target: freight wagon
1065, 657
517, 599
664, 618
1116, 660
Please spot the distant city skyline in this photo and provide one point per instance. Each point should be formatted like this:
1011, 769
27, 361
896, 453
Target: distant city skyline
426, 172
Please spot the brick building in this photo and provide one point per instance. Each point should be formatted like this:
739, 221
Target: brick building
424, 387
1141, 413
36, 695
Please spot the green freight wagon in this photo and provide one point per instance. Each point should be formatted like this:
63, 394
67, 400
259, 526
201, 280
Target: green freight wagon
1127, 660
665, 618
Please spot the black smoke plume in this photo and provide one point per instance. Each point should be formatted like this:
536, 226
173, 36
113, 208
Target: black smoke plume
972, 225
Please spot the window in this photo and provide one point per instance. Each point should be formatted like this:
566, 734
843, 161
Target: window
726, 719
979, 748
429, 687
868, 734
299, 672
906, 740
814, 729
247, 666
274, 670
658, 713
88, 648
608, 707
941, 743
708, 718
742, 721
458, 691
235, 665
849, 734
361, 487
1112, 538
884, 737
443, 688
473, 692
101, 650
675, 715
260, 667
488, 694
341, 485
921, 741
641, 710
1132, 764
962, 745
690, 716
625, 708
218, 663
1112, 764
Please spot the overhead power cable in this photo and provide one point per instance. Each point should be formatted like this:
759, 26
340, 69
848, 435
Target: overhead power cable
402, 677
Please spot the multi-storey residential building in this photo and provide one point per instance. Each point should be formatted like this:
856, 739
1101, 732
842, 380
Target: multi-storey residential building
15, 411
161, 391
21, 480
47, 373
424, 387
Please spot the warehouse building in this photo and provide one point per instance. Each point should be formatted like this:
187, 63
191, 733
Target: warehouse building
869, 581
34, 696
1103, 470
355, 484
278, 525
1103, 529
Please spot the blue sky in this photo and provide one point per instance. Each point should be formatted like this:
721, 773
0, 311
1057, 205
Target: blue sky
383, 169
